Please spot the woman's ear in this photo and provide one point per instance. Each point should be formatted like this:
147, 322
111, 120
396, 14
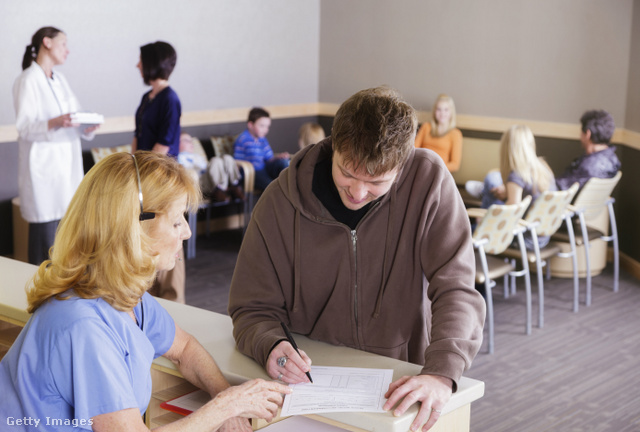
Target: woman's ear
46, 42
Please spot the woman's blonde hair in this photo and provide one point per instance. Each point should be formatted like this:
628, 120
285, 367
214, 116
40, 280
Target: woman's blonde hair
518, 153
452, 121
310, 133
102, 249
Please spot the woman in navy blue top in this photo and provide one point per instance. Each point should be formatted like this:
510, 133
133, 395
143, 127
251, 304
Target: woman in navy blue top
158, 116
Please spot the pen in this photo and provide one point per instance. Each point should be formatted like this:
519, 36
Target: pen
293, 343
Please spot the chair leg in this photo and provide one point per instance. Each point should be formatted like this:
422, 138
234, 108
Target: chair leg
527, 282
539, 264
489, 299
616, 254
540, 295
587, 256
574, 260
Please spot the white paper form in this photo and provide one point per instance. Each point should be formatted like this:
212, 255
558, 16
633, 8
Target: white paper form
339, 389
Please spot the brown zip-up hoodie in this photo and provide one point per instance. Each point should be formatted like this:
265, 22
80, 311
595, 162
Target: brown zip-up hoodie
401, 284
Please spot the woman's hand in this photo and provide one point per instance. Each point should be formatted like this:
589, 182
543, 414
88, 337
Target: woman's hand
91, 129
63, 121
253, 399
295, 369
500, 192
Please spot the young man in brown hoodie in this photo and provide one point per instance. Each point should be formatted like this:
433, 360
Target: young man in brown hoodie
363, 242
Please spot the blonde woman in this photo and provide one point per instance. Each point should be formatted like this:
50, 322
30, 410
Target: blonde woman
441, 134
522, 173
84, 357
310, 133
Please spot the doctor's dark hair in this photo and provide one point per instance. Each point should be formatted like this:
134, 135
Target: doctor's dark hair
102, 249
374, 130
31, 52
158, 60
601, 125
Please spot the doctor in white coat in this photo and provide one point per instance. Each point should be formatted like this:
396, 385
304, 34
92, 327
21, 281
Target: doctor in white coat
50, 154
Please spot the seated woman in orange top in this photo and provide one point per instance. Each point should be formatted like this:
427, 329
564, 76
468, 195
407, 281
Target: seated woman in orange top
441, 134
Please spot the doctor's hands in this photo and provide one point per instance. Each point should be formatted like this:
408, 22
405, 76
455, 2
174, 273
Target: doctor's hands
63, 121
294, 369
431, 390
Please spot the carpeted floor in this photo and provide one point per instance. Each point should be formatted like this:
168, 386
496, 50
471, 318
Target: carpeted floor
581, 372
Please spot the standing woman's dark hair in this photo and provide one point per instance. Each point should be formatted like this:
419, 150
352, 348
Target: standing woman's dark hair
158, 60
31, 52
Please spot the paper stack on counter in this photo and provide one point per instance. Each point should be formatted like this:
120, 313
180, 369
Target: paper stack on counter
87, 118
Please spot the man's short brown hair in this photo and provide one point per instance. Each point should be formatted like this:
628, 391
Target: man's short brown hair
375, 130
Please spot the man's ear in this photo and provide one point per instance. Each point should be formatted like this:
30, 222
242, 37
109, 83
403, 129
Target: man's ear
587, 134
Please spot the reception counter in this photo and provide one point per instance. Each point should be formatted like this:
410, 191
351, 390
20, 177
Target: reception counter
214, 331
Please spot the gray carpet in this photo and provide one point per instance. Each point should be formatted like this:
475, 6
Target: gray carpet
581, 372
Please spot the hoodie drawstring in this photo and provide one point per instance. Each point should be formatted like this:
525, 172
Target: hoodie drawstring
296, 260
385, 261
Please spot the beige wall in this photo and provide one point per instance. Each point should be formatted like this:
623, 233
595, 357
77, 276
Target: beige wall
231, 53
633, 89
545, 60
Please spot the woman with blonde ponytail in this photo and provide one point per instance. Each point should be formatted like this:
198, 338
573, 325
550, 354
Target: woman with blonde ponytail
83, 359
50, 155
522, 173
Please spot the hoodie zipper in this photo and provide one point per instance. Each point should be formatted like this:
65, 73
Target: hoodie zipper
354, 240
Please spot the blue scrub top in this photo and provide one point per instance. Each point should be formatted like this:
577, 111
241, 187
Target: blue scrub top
79, 358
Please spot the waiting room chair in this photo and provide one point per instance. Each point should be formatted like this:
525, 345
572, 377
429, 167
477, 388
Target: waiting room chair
544, 218
492, 236
218, 143
98, 153
592, 199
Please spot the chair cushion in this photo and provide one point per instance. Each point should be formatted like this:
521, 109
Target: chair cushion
223, 145
562, 235
551, 249
497, 268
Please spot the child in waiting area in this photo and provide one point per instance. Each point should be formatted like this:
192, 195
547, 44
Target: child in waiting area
219, 178
310, 133
441, 134
252, 146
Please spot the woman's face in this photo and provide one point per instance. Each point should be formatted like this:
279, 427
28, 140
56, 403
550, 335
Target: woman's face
57, 48
139, 66
169, 231
443, 113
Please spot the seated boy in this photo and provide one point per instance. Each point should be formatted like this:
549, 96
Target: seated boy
252, 146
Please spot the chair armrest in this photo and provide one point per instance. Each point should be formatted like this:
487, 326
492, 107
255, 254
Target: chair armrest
249, 175
476, 212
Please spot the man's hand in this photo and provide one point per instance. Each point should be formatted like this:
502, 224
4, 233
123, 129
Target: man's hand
431, 390
295, 368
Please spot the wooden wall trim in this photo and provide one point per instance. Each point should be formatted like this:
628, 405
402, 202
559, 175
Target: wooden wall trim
570, 131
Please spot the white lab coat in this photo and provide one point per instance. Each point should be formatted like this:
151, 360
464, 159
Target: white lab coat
49, 161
